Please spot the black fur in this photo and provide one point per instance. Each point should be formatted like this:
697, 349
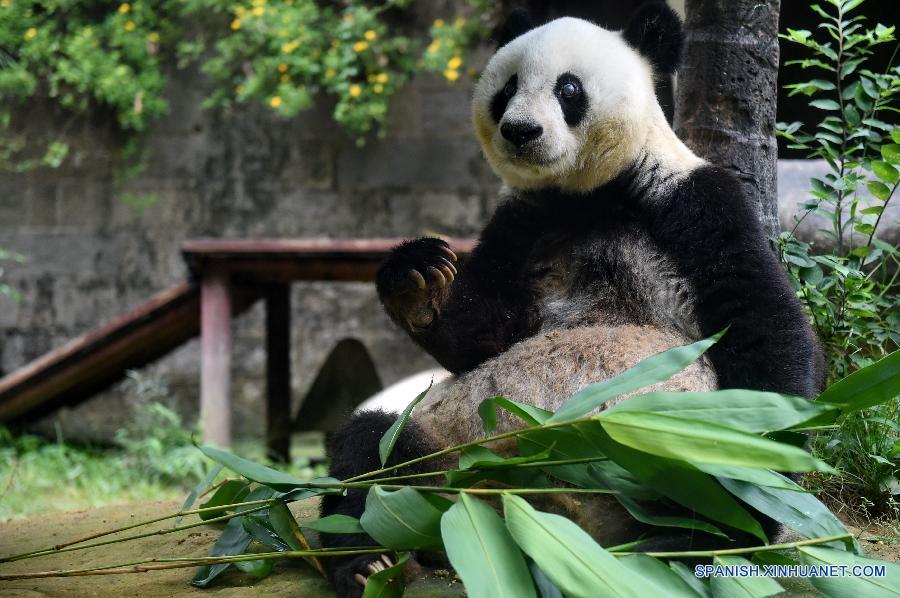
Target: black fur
655, 31
706, 227
501, 98
573, 108
517, 23
353, 450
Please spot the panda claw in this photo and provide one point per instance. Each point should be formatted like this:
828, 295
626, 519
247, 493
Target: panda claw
417, 277
449, 253
447, 263
448, 274
361, 579
438, 276
387, 561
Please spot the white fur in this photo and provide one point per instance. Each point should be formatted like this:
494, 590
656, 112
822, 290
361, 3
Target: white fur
623, 119
397, 396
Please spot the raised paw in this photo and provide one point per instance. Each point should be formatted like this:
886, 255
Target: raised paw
414, 281
350, 576
374, 567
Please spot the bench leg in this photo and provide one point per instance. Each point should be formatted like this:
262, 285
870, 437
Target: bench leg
215, 365
278, 372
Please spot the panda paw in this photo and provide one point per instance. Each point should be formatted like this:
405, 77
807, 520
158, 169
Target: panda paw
414, 280
350, 578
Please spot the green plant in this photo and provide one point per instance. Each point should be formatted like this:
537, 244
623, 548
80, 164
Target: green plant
850, 289
5, 289
700, 450
89, 58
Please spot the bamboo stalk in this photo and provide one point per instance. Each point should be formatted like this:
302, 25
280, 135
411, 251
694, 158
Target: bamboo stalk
748, 550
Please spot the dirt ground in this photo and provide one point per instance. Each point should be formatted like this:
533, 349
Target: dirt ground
288, 578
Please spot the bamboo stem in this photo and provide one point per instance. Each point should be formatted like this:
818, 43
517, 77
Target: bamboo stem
749, 550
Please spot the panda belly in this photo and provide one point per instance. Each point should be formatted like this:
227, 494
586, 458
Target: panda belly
544, 371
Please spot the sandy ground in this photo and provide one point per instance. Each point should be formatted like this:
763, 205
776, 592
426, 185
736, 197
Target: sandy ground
288, 578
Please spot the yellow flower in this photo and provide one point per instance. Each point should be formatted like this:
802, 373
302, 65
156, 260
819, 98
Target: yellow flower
371, 78
259, 11
378, 88
240, 11
30, 33
258, 2
289, 47
454, 63
434, 46
382, 78
355, 90
284, 78
370, 35
329, 73
129, 26
282, 68
439, 22
451, 75
360, 47
275, 102
459, 22
125, 7
153, 37
235, 24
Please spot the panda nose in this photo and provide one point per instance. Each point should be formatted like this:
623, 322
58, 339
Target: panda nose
520, 133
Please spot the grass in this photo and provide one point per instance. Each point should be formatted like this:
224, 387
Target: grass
151, 459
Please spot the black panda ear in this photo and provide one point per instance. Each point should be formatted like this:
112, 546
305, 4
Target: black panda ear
655, 31
517, 23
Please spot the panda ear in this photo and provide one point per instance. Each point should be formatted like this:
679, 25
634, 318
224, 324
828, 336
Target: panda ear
517, 23
655, 31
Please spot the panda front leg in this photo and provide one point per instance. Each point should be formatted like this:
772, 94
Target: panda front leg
353, 451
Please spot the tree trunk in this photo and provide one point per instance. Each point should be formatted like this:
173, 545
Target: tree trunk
726, 93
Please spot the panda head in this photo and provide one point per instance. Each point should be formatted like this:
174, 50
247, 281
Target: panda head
570, 104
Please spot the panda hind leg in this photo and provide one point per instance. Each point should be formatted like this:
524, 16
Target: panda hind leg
353, 450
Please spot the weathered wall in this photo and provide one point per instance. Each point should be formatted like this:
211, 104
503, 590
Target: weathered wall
249, 174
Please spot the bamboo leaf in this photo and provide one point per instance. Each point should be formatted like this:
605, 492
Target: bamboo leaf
741, 587
747, 410
638, 512
252, 471
260, 529
760, 477
573, 561
545, 587
666, 582
701, 442
479, 457
230, 492
200, 488
483, 553
402, 519
687, 576
258, 569
866, 387
657, 368
336, 524
858, 587
389, 439
530, 414
798, 510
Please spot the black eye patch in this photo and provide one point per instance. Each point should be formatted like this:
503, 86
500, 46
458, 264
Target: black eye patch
502, 98
572, 98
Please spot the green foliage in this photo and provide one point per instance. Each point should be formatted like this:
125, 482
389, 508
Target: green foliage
851, 291
113, 59
5, 289
525, 550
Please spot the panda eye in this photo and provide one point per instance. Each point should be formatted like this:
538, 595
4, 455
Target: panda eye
509, 90
569, 90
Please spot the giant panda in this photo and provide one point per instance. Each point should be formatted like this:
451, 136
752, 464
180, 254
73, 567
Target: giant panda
613, 242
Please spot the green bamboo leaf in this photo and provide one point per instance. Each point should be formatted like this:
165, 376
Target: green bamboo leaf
387, 583
230, 492
747, 410
402, 519
639, 513
260, 529
858, 587
252, 471
667, 582
700, 587
336, 524
701, 442
283, 523
479, 457
200, 488
389, 439
258, 569
483, 553
885, 172
760, 477
573, 561
530, 414
233, 541
797, 509
544, 586
741, 587
866, 387
657, 368
680, 481
891, 153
